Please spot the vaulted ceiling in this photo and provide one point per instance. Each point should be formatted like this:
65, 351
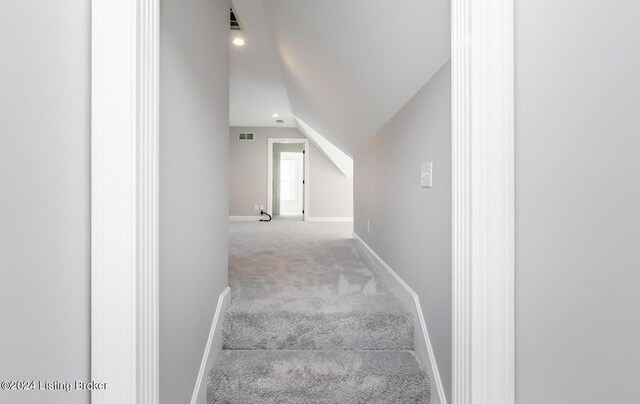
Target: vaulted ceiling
344, 67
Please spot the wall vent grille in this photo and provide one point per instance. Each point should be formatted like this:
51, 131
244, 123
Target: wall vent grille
234, 21
245, 136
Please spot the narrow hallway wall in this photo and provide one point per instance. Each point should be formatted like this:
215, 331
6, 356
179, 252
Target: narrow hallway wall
45, 223
331, 193
410, 226
194, 120
577, 201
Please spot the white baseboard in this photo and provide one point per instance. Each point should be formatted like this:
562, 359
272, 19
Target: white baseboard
330, 219
245, 218
212, 349
409, 298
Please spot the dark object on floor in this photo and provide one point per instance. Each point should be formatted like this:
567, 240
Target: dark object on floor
262, 213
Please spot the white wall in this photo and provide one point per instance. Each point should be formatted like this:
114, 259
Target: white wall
330, 192
410, 226
194, 113
44, 196
577, 201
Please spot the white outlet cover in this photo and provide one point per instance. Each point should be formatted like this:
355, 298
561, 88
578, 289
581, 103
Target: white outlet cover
427, 175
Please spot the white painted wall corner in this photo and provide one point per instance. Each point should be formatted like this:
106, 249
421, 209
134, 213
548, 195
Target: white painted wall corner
410, 300
212, 349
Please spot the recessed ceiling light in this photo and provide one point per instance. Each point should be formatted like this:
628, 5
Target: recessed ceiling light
238, 41
274, 115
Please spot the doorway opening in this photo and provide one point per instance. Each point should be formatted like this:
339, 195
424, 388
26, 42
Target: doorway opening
290, 185
287, 178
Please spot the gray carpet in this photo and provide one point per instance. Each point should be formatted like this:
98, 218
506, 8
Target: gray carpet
318, 377
299, 286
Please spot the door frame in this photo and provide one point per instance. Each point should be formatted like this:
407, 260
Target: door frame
124, 200
298, 159
483, 197
287, 140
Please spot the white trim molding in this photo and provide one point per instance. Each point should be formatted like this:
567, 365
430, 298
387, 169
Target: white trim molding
331, 219
483, 201
245, 218
270, 142
124, 201
212, 349
411, 301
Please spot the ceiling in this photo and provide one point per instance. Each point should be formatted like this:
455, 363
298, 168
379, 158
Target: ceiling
344, 67
257, 88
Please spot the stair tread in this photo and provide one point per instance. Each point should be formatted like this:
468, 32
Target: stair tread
321, 376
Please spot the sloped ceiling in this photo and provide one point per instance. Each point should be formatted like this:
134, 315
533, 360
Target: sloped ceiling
256, 83
347, 65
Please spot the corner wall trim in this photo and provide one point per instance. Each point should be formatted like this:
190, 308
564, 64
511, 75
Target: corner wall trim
212, 349
331, 219
244, 218
125, 201
483, 201
411, 301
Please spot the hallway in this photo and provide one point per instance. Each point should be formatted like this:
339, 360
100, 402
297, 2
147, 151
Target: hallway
311, 321
454, 135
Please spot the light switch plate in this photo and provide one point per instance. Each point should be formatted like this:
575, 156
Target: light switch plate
427, 175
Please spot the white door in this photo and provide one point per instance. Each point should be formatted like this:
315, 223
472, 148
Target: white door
291, 186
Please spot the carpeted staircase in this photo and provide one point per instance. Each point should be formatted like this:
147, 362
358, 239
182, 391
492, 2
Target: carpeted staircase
310, 321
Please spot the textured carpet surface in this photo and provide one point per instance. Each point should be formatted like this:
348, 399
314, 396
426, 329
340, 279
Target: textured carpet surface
298, 285
311, 321
318, 377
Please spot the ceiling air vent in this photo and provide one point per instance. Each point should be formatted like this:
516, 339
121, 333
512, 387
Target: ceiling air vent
245, 136
235, 22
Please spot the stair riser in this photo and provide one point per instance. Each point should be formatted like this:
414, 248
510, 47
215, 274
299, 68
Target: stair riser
264, 377
295, 331
321, 390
